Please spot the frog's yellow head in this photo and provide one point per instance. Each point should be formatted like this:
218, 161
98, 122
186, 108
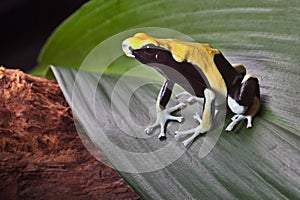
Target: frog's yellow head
142, 45
138, 41
147, 50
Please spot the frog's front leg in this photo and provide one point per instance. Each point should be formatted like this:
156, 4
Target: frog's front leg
163, 113
205, 123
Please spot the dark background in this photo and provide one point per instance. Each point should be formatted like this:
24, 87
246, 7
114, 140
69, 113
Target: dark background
25, 27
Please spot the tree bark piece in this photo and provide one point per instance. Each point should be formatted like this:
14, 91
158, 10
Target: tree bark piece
41, 155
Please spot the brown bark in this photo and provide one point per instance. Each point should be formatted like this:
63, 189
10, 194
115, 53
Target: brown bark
41, 155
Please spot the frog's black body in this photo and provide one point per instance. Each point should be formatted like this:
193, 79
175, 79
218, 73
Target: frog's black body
191, 78
184, 74
242, 92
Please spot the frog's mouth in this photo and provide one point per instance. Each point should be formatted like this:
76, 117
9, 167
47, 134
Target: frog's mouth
127, 50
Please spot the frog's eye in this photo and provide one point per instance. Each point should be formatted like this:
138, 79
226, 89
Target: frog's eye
150, 51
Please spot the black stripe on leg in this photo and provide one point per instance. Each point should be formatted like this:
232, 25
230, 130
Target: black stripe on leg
166, 93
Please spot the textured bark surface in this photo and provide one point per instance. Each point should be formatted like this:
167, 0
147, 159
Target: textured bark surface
41, 155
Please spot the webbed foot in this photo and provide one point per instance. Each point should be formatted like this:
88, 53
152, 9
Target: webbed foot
162, 117
205, 122
236, 119
195, 131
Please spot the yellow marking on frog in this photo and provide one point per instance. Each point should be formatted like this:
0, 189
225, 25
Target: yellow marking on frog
199, 54
141, 39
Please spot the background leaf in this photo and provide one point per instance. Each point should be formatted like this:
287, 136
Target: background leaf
264, 35
257, 163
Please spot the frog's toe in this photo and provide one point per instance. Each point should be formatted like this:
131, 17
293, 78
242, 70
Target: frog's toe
148, 130
163, 116
193, 99
177, 135
175, 118
180, 119
180, 134
196, 132
181, 94
235, 120
197, 117
182, 105
249, 121
187, 142
178, 106
229, 128
162, 136
234, 117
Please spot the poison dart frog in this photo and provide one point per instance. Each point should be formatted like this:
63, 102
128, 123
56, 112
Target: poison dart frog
204, 73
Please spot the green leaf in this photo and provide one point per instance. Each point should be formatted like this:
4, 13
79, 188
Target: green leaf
258, 163
232, 25
264, 36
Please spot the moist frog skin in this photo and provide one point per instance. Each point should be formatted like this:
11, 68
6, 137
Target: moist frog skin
204, 73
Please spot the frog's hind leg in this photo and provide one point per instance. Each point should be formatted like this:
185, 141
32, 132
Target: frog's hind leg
244, 102
240, 68
206, 121
235, 121
248, 116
